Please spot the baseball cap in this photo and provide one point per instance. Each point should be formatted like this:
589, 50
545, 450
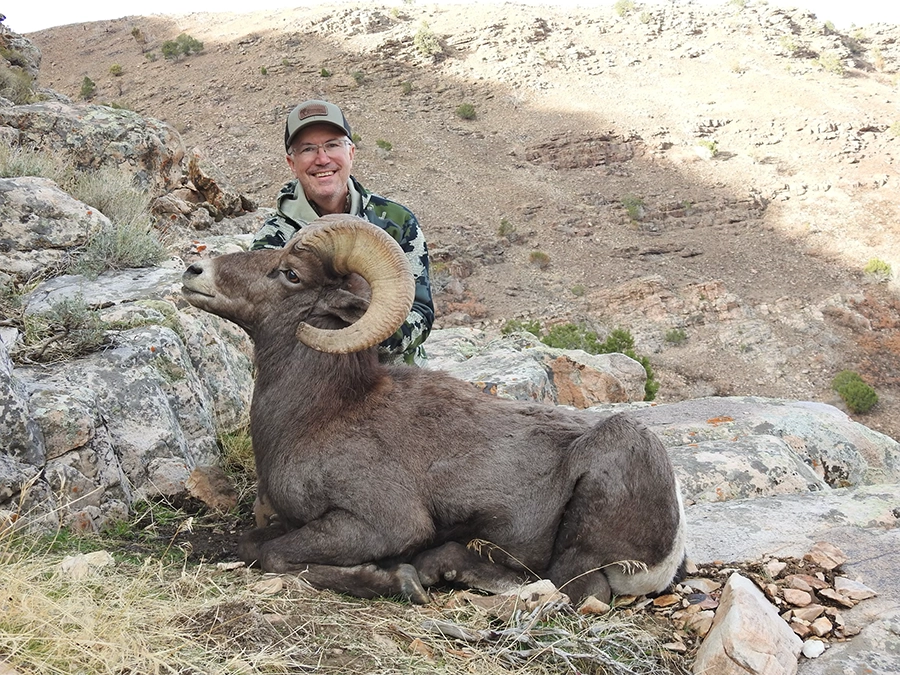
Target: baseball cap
314, 112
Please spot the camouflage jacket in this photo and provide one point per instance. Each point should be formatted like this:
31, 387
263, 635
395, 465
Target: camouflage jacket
293, 211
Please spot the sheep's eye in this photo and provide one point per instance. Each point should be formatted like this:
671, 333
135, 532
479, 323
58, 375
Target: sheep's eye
291, 276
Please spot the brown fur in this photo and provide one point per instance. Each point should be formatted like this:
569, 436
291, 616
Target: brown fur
368, 467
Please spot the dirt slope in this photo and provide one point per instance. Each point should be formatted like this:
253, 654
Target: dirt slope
725, 172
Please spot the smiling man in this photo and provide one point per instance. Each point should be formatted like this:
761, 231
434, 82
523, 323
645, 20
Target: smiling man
320, 153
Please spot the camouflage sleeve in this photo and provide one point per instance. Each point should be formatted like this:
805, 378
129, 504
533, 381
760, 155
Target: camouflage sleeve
275, 233
406, 344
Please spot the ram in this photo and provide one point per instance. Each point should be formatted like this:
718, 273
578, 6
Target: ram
387, 480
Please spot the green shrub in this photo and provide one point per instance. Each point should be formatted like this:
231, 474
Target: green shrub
426, 42
263, 70
506, 228
832, 63
358, 76
516, 326
384, 145
116, 70
138, 35
540, 259
406, 87
634, 206
466, 111
87, 88
183, 45
623, 7
13, 57
130, 239
878, 268
857, 395
578, 290
676, 336
711, 146
151, 56
356, 138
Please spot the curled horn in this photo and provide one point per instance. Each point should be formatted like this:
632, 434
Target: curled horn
349, 244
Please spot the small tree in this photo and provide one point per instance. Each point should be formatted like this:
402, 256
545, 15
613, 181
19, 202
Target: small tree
87, 88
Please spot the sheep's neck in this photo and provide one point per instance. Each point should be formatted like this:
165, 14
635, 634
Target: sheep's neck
310, 387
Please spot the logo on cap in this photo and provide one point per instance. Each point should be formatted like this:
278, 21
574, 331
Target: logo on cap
312, 111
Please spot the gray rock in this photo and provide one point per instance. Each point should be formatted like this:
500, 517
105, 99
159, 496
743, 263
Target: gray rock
36, 214
96, 135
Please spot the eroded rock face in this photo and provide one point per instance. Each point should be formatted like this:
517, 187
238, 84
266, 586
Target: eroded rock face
96, 135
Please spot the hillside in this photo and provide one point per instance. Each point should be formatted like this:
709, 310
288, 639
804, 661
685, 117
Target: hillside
726, 172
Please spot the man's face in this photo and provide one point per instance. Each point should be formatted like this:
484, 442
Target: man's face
322, 173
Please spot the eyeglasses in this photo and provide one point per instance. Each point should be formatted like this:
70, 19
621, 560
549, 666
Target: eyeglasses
331, 148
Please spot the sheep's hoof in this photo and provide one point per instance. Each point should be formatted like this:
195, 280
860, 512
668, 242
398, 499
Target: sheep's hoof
410, 586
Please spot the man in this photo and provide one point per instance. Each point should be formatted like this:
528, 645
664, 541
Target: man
320, 154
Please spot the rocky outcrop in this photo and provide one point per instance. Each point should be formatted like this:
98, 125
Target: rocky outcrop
97, 135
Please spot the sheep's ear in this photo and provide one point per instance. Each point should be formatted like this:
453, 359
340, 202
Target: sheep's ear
347, 306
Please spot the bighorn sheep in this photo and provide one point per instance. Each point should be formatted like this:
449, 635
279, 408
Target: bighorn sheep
383, 478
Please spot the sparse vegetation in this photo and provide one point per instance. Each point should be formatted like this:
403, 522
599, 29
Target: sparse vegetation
540, 259
426, 42
183, 45
387, 146
578, 290
263, 70
138, 35
355, 138
506, 228
14, 57
19, 161
878, 268
623, 7
831, 63
465, 111
634, 206
15, 84
790, 45
676, 336
324, 72
711, 146
87, 88
116, 70
130, 240
406, 87
68, 329
358, 76
856, 394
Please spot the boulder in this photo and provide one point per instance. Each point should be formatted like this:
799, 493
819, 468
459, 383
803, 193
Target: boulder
97, 135
747, 635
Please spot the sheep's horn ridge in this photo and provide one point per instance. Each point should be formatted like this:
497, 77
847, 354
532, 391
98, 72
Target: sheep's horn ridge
351, 244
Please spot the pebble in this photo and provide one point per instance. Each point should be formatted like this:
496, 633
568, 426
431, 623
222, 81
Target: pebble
813, 649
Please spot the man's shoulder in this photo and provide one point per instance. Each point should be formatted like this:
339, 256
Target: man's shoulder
388, 209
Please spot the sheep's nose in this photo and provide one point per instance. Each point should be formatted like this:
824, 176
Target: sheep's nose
193, 271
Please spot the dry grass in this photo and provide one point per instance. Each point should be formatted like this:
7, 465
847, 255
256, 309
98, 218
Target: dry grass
153, 614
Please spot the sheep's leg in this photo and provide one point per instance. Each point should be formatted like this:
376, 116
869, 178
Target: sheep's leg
454, 563
362, 581
366, 581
